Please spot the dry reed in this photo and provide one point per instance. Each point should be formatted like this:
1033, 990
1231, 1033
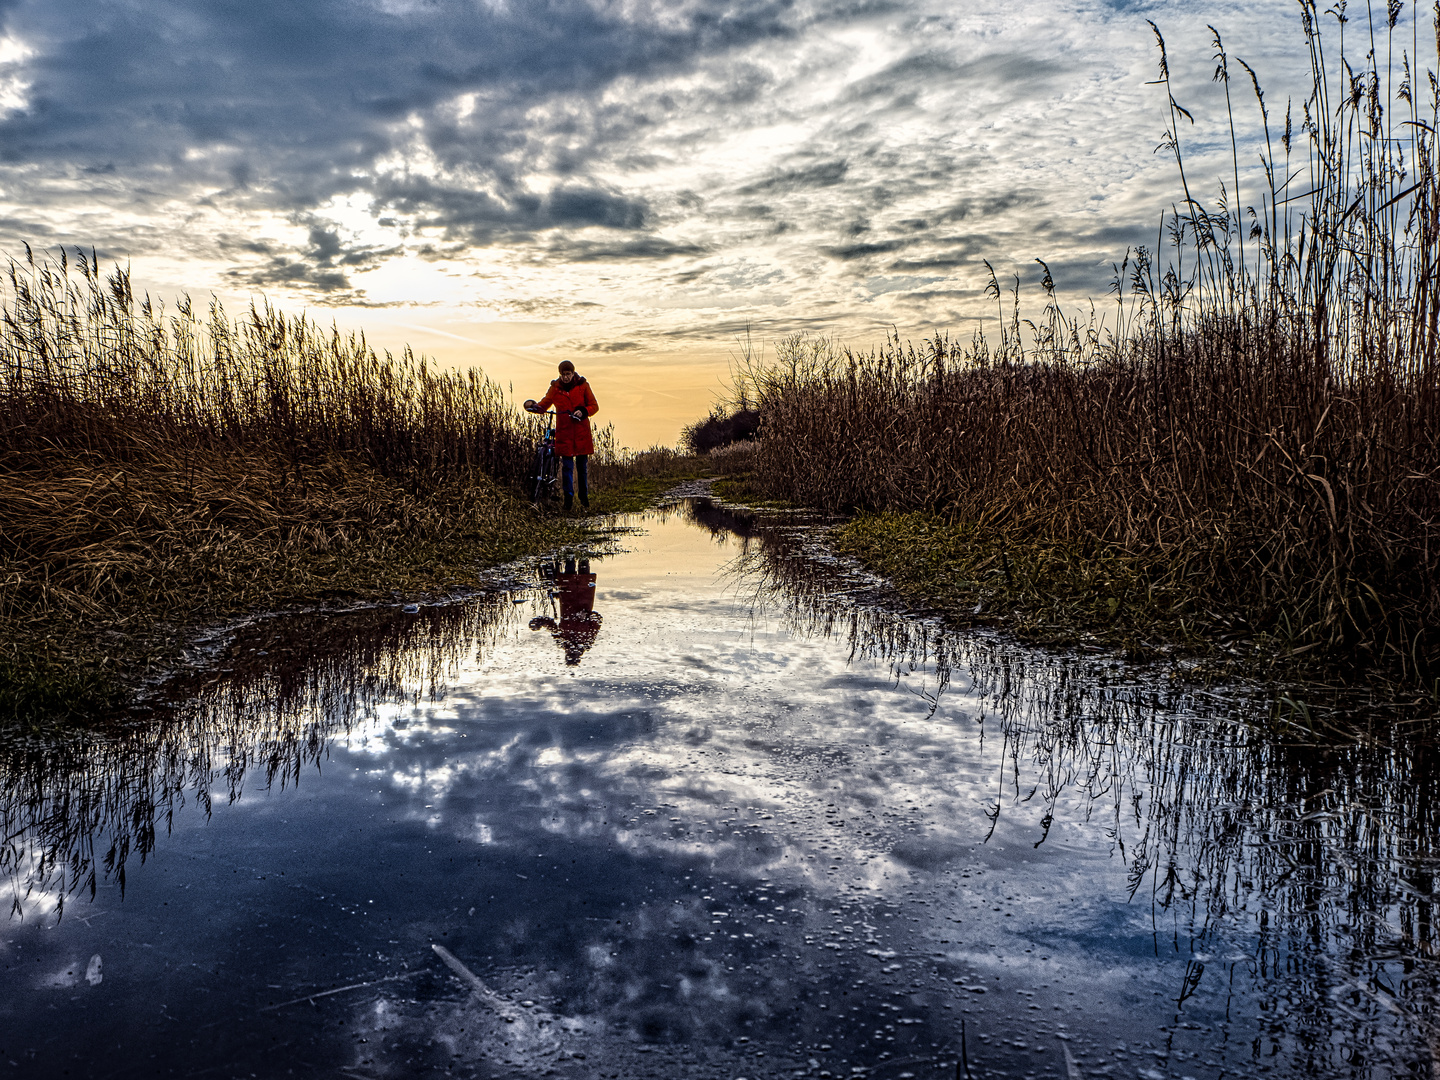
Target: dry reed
88, 366
1257, 433
158, 468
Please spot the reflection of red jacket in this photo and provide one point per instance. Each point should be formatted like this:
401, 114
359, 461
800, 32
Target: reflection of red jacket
571, 436
579, 623
576, 593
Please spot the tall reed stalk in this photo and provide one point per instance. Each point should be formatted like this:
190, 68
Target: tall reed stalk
88, 366
1259, 425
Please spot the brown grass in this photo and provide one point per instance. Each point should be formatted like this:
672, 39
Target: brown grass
157, 469
86, 365
1257, 431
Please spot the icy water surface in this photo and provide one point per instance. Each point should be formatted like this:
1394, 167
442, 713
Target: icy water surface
704, 808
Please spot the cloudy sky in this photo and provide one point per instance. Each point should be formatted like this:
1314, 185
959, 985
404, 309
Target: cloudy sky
630, 183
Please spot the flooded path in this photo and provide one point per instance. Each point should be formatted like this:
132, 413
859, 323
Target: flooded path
704, 808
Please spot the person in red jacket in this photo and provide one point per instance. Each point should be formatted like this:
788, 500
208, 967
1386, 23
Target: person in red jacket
574, 403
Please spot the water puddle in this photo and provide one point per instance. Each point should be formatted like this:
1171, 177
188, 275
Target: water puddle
704, 808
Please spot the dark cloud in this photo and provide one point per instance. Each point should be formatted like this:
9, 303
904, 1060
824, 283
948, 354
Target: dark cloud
25, 227
908, 76
1131, 7
1116, 238
323, 267
1014, 69
281, 270
485, 214
591, 206
289, 104
608, 346
639, 249
922, 297
948, 253
769, 327
846, 252
819, 175
547, 307
932, 262
984, 206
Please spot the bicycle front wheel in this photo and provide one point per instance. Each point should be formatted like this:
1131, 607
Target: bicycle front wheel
543, 476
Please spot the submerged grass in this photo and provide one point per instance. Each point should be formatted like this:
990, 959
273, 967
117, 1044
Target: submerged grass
1252, 445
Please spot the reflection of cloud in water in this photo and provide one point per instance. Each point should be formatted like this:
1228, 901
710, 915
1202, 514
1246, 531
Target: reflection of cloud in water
77, 807
850, 785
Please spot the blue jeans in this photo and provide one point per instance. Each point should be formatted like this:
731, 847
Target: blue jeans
567, 470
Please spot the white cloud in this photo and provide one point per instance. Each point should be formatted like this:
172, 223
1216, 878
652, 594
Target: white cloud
623, 170
14, 86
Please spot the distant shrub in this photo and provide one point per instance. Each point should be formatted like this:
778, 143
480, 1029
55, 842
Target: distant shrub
721, 428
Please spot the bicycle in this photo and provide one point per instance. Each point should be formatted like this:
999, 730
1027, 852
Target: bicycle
547, 463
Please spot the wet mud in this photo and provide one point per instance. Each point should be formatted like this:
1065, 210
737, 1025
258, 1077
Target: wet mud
710, 806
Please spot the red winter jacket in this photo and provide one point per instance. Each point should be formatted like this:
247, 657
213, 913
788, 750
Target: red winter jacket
572, 437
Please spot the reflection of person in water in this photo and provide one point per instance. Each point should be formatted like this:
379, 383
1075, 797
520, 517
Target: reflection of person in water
579, 622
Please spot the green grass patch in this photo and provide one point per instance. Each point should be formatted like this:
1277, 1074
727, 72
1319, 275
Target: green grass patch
743, 490
1053, 593
638, 493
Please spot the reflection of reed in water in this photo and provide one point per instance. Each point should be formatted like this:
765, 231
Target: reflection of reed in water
75, 810
1302, 840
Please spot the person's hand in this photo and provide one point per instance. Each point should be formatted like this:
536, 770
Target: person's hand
578, 415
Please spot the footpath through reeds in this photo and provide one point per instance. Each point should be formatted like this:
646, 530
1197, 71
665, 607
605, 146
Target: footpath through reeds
159, 469
1242, 459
